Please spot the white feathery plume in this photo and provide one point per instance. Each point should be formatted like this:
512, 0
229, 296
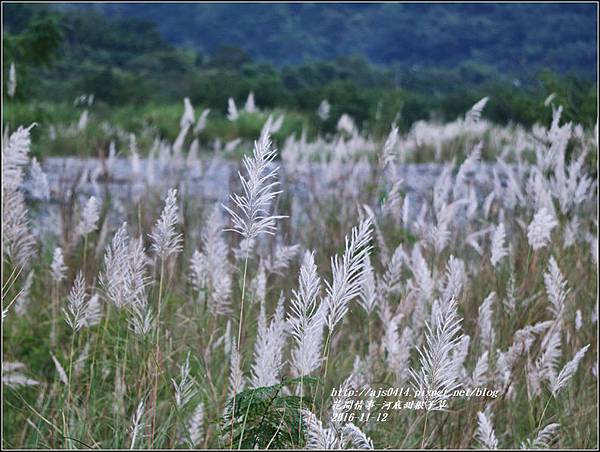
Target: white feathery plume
58, 267
198, 271
15, 157
390, 283
543, 439
18, 242
306, 321
556, 288
184, 389
356, 437
499, 249
548, 362
23, 299
79, 363
578, 320
195, 426
485, 432
388, 155
123, 279
165, 240
232, 112
89, 217
540, 229
347, 273
455, 278
62, 375
236, 376
318, 437
253, 217
481, 368
214, 264
486, 330
567, 372
188, 117
324, 110
12, 376
250, 105
438, 376
367, 298
39, 187
282, 258
75, 312
83, 120
12, 80
422, 276
137, 424
397, 348
201, 124
268, 351
474, 114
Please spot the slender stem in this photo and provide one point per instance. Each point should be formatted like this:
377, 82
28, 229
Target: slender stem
69, 382
85, 241
424, 430
157, 349
327, 347
238, 347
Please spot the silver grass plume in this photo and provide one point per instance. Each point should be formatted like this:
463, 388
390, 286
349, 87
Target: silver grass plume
39, 186
201, 124
499, 249
485, 432
250, 105
281, 259
76, 308
543, 439
23, 298
486, 329
438, 376
474, 114
236, 376
306, 320
11, 87
13, 377
318, 437
422, 275
165, 239
388, 156
89, 217
258, 192
368, 297
123, 279
58, 267
540, 229
481, 368
62, 375
347, 273
356, 437
214, 264
324, 110
268, 352
188, 117
195, 426
184, 389
232, 112
556, 288
567, 372
18, 242
137, 424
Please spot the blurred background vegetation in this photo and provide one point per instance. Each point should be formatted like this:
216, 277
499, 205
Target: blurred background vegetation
377, 62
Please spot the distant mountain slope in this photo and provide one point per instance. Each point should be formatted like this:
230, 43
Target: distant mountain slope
512, 38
